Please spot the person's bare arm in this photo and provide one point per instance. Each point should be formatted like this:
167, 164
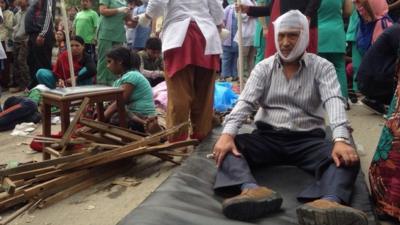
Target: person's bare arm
347, 8
255, 11
105, 11
312, 8
128, 89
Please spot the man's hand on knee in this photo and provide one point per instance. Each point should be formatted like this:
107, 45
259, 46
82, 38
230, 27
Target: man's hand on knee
344, 153
224, 145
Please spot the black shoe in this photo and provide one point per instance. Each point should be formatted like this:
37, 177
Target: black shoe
374, 106
353, 97
347, 107
252, 204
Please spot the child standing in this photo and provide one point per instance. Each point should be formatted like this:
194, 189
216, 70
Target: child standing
229, 47
142, 32
85, 25
21, 78
6, 29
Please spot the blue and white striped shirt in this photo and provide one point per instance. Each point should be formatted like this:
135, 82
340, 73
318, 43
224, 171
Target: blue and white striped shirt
298, 104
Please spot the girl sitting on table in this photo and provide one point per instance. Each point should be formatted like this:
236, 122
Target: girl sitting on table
137, 96
84, 67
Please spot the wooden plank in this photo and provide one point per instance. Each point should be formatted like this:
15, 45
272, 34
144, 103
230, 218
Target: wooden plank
103, 155
171, 153
17, 213
30, 174
62, 180
98, 139
165, 158
141, 151
67, 135
52, 151
47, 176
111, 137
43, 164
114, 130
12, 201
9, 185
104, 146
79, 187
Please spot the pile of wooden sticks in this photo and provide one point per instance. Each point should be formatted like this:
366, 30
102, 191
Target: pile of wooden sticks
96, 152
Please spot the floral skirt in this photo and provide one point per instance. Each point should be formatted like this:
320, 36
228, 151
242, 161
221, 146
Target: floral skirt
384, 172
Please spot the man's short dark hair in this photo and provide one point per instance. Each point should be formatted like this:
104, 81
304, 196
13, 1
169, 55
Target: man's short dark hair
153, 43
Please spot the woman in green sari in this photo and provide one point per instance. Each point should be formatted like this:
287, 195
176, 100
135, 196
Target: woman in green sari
384, 172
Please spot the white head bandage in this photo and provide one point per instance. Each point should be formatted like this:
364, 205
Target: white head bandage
290, 21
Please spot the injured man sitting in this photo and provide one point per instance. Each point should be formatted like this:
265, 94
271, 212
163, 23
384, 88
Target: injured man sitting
292, 89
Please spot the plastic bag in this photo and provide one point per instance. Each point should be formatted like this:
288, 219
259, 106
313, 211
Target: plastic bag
224, 97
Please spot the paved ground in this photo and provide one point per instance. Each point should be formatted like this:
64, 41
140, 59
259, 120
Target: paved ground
106, 204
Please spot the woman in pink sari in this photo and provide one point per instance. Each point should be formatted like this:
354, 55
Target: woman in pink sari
374, 19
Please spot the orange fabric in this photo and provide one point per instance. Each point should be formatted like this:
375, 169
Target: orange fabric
12, 108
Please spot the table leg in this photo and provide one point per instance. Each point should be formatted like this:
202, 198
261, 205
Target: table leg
121, 111
100, 111
46, 126
65, 117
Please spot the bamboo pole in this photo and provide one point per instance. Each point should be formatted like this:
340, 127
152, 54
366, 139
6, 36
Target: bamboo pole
68, 43
240, 44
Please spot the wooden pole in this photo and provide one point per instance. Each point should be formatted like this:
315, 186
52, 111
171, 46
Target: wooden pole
155, 138
240, 44
94, 179
68, 43
17, 213
43, 164
67, 135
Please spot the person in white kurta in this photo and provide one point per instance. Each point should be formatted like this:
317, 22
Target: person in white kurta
2, 52
191, 48
248, 31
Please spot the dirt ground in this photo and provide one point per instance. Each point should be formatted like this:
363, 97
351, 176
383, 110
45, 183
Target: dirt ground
106, 204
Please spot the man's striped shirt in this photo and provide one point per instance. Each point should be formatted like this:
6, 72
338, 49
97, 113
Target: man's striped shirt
298, 104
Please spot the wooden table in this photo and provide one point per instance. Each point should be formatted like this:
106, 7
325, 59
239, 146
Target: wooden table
62, 98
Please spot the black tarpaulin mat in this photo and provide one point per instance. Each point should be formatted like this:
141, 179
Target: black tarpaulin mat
187, 196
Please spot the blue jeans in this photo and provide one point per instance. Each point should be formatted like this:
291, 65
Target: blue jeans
229, 61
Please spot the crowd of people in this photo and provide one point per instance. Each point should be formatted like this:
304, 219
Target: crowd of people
301, 59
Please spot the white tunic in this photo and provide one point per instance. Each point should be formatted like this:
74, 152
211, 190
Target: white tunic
177, 16
2, 52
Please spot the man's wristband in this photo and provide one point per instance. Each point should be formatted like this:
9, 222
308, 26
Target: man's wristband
341, 139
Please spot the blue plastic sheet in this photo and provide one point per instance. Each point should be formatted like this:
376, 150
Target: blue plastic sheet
224, 97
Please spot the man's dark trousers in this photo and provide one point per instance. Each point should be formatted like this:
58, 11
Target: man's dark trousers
308, 150
39, 57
